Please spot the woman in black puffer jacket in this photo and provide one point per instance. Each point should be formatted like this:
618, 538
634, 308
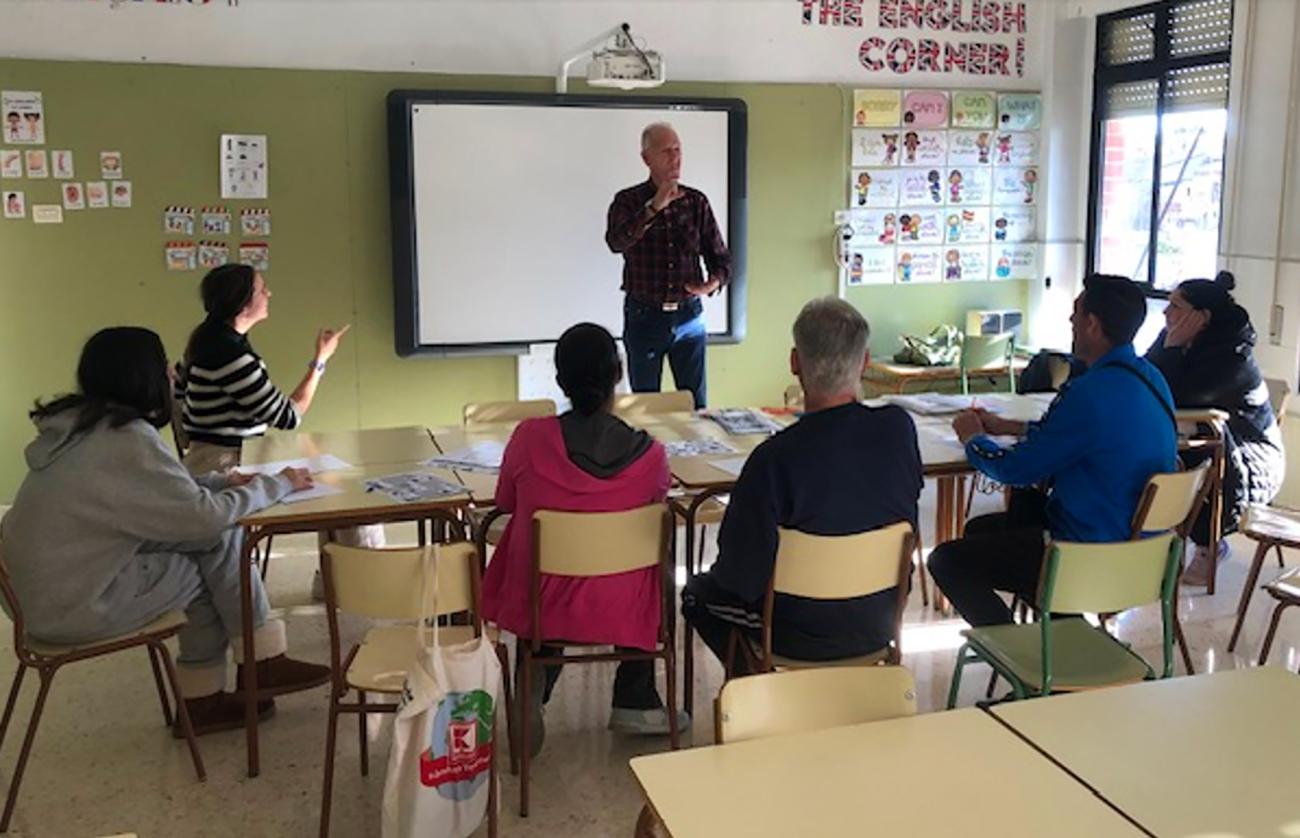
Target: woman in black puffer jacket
1206, 354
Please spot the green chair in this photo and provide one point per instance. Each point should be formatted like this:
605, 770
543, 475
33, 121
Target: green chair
987, 352
1067, 653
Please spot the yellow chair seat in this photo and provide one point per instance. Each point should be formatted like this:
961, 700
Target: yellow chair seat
165, 624
781, 663
381, 662
1267, 523
1083, 657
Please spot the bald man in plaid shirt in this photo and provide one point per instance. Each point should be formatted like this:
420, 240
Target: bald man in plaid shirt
664, 229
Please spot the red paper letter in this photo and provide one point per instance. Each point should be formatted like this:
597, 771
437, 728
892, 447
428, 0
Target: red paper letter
908, 60
875, 65
999, 59
927, 55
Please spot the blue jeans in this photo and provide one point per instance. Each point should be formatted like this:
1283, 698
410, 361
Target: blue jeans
649, 333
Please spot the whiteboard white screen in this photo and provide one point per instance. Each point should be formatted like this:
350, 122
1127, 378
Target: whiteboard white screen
510, 205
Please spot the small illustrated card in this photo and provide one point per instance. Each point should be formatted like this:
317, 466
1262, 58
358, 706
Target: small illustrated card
11, 163
15, 204
872, 227
968, 263
917, 265
24, 116
925, 109
244, 166
97, 194
213, 254
966, 225
121, 194
179, 220
875, 108
110, 165
873, 187
256, 255
921, 187
62, 164
38, 165
1015, 261
874, 147
871, 266
1014, 224
1015, 185
920, 226
216, 221
255, 222
1020, 111
1016, 148
925, 148
47, 214
74, 196
970, 148
180, 256
973, 109
968, 186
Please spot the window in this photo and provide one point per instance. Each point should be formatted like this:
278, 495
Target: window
1160, 120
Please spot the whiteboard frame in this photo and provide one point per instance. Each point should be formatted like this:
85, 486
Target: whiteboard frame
406, 285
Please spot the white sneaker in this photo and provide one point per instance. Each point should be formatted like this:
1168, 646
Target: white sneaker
646, 722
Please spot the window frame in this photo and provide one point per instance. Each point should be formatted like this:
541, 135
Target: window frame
1157, 69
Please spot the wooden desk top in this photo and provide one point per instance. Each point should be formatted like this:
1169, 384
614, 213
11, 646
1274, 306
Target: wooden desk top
1207, 755
354, 505
358, 448
941, 774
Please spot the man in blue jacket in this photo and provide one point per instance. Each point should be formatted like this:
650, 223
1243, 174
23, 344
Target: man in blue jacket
1103, 437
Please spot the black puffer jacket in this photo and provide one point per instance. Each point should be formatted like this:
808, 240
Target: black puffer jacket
1219, 370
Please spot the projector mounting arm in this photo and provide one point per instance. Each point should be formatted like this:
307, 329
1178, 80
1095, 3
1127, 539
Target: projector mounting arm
623, 35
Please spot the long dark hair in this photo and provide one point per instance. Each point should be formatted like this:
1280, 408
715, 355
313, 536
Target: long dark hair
225, 292
122, 376
587, 366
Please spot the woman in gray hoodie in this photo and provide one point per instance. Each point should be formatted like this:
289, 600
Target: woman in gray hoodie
109, 530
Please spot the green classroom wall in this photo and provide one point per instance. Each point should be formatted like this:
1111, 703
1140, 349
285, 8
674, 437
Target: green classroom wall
330, 247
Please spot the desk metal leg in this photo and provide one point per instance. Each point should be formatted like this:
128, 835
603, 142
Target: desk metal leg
688, 636
1216, 507
250, 655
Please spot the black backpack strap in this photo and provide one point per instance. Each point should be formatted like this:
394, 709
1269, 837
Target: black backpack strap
1169, 411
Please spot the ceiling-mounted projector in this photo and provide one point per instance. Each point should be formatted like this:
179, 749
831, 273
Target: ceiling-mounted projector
622, 64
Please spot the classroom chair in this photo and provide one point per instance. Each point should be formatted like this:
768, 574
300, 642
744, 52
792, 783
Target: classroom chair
1271, 528
1279, 397
48, 658
987, 352
630, 406
829, 567
396, 585
801, 701
586, 544
486, 413
1066, 653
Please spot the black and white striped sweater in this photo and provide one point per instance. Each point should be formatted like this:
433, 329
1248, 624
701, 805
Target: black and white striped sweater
226, 394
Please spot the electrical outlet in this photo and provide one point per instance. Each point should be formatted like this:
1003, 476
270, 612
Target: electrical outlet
1275, 325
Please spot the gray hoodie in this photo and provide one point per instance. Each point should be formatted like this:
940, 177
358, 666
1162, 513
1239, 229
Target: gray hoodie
91, 503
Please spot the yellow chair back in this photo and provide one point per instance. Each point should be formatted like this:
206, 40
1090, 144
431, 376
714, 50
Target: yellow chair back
484, 413
391, 584
1170, 499
1108, 578
841, 566
601, 543
628, 405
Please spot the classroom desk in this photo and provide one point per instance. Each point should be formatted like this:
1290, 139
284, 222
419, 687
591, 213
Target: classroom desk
352, 508
890, 377
941, 774
1206, 755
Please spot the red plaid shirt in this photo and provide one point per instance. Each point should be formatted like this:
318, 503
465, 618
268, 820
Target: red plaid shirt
661, 256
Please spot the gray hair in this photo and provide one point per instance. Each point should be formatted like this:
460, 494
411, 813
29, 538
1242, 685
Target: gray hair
830, 336
648, 133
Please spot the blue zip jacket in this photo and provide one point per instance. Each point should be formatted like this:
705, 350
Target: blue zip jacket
1103, 437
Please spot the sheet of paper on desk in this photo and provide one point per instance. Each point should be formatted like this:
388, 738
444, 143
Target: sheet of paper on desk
325, 462
697, 447
741, 421
414, 487
320, 490
930, 404
481, 456
731, 465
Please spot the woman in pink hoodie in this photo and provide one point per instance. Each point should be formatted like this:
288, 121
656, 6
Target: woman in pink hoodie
586, 460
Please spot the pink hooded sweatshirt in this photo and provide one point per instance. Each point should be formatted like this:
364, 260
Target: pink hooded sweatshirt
622, 609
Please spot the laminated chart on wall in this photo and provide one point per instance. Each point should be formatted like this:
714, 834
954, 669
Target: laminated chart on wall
178, 220
244, 166
15, 203
97, 194
948, 193
256, 255
180, 256
215, 221
255, 222
213, 254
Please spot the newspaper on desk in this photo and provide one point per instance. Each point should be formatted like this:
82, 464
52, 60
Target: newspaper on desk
484, 457
315, 465
937, 404
697, 447
414, 487
742, 421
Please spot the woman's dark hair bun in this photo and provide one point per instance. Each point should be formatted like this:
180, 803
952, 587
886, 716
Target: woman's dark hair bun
1225, 280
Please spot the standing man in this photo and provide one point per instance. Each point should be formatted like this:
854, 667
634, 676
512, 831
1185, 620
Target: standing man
663, 228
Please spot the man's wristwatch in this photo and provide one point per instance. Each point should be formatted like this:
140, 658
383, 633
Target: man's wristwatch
318, 366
